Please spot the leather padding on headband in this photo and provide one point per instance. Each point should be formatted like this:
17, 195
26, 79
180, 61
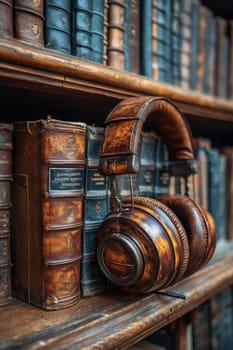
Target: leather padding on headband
124, 124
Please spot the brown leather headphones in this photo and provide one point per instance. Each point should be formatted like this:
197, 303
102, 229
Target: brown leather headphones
146, 244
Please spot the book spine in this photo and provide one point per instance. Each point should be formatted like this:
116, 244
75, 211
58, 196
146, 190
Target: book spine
208, 56
221, 57
82, 34
116, 31
96, 207
48, 212
212, 56
194, 42
29, 21
58, 25
6, 19
161, 177
146, 37
97, 28
186, 35
147, 165
175, 42
105, 44
5, 212
201, 327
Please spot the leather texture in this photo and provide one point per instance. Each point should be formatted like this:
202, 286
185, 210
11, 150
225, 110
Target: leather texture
147, 244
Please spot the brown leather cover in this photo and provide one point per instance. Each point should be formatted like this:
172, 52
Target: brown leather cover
5, 211
124, 124
48, 193
6, 18
29, 21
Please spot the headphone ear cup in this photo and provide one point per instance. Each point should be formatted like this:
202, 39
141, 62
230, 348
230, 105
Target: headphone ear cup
212, 236
199, 228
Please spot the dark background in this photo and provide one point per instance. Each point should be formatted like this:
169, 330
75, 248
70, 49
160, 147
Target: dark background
222, 8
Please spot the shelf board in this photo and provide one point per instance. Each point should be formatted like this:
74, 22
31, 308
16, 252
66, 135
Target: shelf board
112, 320
51, 72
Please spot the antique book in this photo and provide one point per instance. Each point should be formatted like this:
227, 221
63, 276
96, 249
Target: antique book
186, 35
5, 211
222, 320
29, 21
81, 29
195, 13
132, 36
105, 48
96, 207
201, 327
146, 37
48, 191
222, 63
230, 75
116, 32
161, 177
228, 152
97, 30
175, 42
147, 161
58, 25
6, 19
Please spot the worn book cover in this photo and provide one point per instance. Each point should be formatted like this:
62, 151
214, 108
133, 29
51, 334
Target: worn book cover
6, 19
5, 211
48, 194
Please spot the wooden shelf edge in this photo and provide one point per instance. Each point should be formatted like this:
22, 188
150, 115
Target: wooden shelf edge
55, 69
113, 320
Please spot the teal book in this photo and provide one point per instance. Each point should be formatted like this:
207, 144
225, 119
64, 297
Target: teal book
146, 38
81, 29
186, 35
58, 25
175, 42
97, 31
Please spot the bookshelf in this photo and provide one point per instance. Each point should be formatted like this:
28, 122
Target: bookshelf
35, 82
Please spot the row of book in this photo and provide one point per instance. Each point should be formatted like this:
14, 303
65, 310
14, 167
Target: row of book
179, 42
208, 327
53, 199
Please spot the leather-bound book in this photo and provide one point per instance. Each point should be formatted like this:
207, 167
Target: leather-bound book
97, 29
96, 207
116, 31
222, 63
132, 36
175, 41
195, 13
82, 16
5, 211
186, 35
146, 37
147, 165
48, 194
6, 18
58, 25
29, 21
105, 48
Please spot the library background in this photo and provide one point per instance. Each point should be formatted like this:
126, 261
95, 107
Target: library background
116, 174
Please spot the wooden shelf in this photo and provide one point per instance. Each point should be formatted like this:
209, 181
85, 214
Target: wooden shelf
112, 320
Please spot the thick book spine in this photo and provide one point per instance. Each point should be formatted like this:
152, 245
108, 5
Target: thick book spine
147, 165
146, 37
5, 212
29, 21
97, 29
82, 35
58, 25
6, 18
96, 207
132, 36
186, 35
222, 63
48, 194
116, 31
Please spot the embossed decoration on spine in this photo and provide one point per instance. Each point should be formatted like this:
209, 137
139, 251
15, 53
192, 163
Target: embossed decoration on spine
5, 211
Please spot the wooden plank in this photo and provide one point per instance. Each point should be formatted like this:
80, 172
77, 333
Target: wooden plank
112, 320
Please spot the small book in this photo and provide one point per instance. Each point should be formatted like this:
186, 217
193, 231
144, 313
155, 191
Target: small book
58, 25
29, 21
116, 32
81, 29
6, 19
5, 212
48, 191
96, 207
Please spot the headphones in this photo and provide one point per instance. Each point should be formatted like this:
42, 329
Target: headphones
147, 244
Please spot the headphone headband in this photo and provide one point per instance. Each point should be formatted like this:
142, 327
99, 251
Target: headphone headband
120, 150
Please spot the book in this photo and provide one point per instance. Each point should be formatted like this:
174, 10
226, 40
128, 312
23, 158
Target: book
97, 30
132, 36
201, 327
58, 25
228, 152
195, 15
48, 192
29, 21
222, 63
6, 19
5, 212
146, 37
161, 177
81, 29
116, 32
222, 320
96, 207
175, 41
105, 39
210, 47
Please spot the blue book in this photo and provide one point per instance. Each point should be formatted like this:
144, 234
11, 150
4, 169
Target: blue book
146, 38
97, 30
175, 42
